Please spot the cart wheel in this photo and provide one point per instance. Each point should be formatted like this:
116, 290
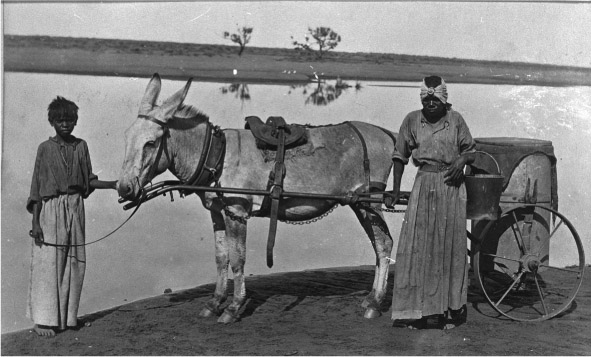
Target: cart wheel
529, 268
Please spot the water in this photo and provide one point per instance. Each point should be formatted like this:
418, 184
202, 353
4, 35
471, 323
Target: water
170, 244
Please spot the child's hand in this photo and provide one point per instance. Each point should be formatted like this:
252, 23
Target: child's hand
37, 234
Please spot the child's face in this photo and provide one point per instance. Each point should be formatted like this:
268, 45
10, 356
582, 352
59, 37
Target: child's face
64, 126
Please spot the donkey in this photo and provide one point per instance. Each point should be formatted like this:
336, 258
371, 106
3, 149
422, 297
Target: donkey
170, 137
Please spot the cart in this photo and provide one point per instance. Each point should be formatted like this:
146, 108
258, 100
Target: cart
512, 234
528, 260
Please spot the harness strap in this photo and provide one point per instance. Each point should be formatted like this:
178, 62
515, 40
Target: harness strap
152, 119
204, 154
365, 157
162, 144
277, 175
211, 163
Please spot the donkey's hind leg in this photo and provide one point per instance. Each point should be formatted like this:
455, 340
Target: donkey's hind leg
374, 225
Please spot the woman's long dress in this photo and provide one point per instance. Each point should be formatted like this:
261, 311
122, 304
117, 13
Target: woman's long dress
431, 272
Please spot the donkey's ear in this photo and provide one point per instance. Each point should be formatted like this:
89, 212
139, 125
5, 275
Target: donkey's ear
175, 101
151, 95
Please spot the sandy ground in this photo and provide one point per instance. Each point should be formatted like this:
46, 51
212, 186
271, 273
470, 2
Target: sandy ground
314, 312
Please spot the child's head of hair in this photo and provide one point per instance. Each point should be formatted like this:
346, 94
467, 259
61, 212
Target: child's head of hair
61, 108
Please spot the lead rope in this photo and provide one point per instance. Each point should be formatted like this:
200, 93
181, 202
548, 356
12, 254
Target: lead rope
142, 197
98, 240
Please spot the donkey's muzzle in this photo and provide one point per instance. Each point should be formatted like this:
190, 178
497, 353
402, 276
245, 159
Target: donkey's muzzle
126, 192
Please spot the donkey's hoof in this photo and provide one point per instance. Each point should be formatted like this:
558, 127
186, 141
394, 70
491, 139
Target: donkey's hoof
205, 312
227, 318
372, 313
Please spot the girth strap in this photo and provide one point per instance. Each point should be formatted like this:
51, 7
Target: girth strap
276, 176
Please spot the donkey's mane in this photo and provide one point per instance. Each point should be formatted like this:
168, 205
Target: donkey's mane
190, 112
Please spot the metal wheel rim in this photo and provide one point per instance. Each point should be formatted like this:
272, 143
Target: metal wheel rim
580, 268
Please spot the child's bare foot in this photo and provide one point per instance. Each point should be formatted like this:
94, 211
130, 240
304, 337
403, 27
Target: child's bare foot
449, 326
44, 331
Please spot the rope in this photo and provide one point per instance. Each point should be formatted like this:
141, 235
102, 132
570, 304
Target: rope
94, 241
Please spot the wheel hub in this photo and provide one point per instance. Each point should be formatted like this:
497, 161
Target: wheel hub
530, 262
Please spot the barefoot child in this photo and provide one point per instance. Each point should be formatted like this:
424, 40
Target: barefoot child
62, 179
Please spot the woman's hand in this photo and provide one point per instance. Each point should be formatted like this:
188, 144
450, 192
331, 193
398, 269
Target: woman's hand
390, 198
454, 176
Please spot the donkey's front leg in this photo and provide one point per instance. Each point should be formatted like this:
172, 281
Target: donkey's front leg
222, 258
236, 240
212, 307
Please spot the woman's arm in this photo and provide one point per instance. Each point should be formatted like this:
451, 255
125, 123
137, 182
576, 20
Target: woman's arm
398, 170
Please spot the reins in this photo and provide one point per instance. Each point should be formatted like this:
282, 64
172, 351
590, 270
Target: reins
98, 240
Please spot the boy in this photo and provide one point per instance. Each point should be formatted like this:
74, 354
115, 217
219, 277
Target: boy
62, 178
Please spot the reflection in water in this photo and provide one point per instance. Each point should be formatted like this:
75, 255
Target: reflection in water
240, 91
324, 93
319, 92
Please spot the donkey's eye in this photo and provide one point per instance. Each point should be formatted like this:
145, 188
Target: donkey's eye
151, 143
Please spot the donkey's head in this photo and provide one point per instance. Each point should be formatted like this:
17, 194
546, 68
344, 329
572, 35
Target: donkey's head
145, 154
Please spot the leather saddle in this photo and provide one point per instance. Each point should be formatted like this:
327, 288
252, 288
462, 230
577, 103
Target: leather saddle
267, 134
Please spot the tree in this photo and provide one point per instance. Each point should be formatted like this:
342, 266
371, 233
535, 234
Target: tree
323, 40
241, 38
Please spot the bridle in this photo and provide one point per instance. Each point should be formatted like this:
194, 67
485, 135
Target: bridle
160, 150
210, 165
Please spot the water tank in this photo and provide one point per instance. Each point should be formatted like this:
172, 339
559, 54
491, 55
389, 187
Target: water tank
529, 170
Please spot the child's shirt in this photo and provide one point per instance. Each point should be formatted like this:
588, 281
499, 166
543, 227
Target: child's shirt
61, 168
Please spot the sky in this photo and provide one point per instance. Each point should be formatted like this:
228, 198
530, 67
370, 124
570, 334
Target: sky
544, 32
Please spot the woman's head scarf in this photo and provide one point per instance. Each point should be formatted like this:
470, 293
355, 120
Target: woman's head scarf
439, 91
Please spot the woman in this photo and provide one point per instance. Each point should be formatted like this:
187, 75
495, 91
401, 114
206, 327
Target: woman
431, 277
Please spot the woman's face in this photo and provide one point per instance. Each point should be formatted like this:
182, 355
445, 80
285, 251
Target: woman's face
432, 105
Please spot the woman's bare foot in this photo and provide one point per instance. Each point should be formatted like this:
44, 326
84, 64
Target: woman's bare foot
410, 324
44, 331
453, 318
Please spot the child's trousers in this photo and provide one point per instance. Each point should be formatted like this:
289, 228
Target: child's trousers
57, 273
